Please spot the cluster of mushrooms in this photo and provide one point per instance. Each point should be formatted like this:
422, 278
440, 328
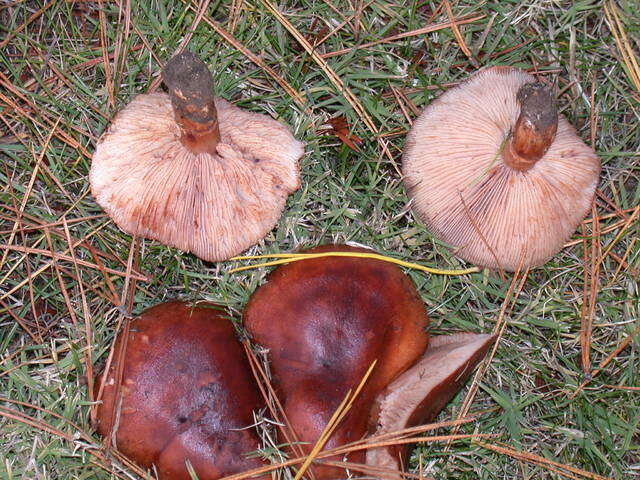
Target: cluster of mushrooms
180, 387
492, 169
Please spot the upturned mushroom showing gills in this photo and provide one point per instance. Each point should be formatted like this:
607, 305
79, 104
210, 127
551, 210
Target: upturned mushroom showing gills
180, 389
193, 171
324, 321
496, 173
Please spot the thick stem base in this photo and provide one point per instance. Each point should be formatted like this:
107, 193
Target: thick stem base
190, 86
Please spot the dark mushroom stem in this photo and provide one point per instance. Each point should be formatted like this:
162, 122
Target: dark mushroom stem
535, 128
190, 86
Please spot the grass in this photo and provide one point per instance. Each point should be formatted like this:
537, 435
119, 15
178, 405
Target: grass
562, 393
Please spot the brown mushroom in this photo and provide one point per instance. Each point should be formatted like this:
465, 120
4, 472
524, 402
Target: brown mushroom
324, 322
193, 171
180, 388
496, 173
416, 396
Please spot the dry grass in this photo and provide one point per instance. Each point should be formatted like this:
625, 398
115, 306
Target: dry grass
559, 397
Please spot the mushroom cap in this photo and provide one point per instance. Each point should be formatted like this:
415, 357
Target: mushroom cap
325, 321
186, 392
416, 396
491, 214
215, 206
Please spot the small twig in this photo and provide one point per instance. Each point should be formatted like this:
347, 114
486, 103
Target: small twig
88, 333
283, 258
63, 256
33, 16
420, 31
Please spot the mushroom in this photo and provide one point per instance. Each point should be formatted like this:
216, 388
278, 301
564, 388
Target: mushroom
418, 395
193, 171
180, 388
496, 173
325, 320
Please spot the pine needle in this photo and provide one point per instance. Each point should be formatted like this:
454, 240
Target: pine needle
335, 419
623, 43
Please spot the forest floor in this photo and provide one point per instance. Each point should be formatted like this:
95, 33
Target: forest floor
559, 397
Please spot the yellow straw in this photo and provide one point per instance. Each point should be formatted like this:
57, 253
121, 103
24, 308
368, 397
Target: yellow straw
294, 257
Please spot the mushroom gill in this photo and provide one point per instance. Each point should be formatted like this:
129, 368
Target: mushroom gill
193, 171
416, 396
496, 173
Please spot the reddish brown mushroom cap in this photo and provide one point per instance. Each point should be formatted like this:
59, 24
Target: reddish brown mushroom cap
499, 201
186, 393
324, 322
213, 186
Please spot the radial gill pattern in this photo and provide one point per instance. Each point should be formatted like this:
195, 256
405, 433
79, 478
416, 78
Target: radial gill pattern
212, 205
489, 213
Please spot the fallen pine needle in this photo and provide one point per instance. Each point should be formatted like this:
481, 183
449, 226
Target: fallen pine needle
336, 418
565, 470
